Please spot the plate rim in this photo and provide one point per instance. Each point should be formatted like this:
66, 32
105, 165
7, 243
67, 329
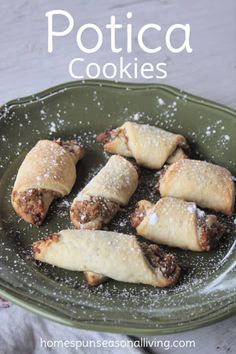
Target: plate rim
116, 84
34, 307
121, 329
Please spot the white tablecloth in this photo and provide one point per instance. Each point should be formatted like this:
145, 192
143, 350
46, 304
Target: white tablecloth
22, 332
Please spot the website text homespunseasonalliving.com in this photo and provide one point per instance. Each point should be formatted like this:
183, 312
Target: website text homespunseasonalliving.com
125, 343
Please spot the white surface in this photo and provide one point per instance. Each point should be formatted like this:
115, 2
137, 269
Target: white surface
26, 67
21, 333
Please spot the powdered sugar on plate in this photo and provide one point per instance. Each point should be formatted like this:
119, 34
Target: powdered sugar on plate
112, 301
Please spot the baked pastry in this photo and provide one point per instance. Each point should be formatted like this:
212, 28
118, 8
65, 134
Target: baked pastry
208, 185
95, 279
176, 223
118, 256
47, 172
150, 146
102, 197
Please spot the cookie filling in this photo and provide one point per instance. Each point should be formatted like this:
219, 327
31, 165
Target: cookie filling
161, 260
210, 232
34, 203
85, 211
72, 147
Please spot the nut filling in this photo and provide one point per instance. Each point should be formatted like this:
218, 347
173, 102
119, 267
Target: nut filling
210, 232
106, 136
72, 147
85, 211
111, 134
159, 259
139, 213
31, 202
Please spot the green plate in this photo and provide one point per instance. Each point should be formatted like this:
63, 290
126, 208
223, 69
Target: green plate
207, 290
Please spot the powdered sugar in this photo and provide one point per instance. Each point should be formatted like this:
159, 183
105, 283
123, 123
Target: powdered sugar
126, 300
52, 127
201, 213
192, 208
160, 101
153, 218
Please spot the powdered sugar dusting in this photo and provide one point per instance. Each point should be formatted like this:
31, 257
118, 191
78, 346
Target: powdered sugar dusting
52, 127
192, 208
160, 101
153, 218
112, 302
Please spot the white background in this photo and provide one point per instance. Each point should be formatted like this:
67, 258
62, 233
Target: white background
27, 67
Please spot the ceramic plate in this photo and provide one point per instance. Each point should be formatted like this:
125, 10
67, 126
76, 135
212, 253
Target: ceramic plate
207, 290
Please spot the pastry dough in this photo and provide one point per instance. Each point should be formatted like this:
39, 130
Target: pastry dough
209, 186
151, 147
117, 256
177, 223
101, 198
47, 172
95, 278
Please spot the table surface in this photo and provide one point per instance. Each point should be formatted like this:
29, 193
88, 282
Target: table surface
210, 71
